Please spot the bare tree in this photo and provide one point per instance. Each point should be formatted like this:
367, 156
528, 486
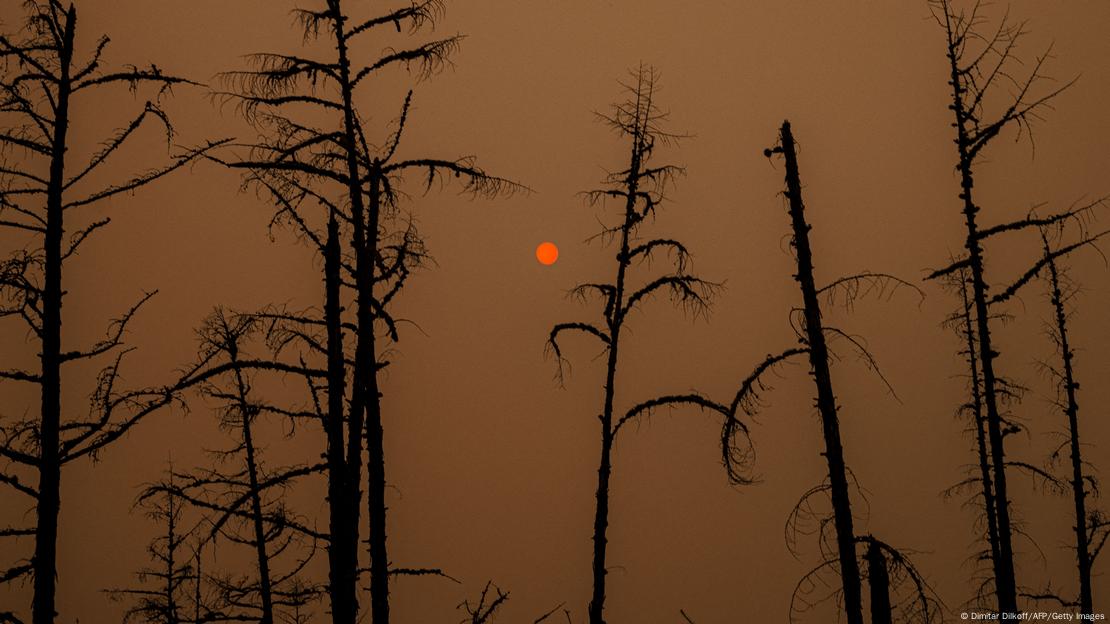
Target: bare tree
164, 595
638, 190
241, 500
1091, 528
44, 194
336, 182
979, 477
484, 610
842, 554
981, 63
818, 353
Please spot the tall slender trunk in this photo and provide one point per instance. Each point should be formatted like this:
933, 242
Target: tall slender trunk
826, 400
171, 562
265, 589
342, 560
375, 434
985, 480
1004, 574
879, 581
196, 588
44, 563
601, 511
1079, 492
605, 465
364, 243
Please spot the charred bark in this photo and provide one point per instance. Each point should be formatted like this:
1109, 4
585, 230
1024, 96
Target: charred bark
878, 580
822, 378
1070, 387
49, 462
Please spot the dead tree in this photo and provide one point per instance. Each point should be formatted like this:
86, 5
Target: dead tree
484, 610
842, 554
817, 350
45, 193
335, 181
167, 588
899, 593
879, 583
241, 499
963, 323
638, 190
1091, 529
980, 66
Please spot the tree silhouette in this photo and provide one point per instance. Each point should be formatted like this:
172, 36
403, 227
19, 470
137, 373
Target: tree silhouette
980, 63
242, 499
818, 353
842, 553
164, 597
485, 608
639, 190
337, 185
963, 324
45, 192
1091, 527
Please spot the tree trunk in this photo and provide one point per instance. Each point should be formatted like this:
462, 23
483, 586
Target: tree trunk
1004, 575
265, 589
879, 580
601, 511
1079, 492
342, 560
375, 434
826, 400
364, 356
605, 465
196, 588
171, 561
44, 563
986, 483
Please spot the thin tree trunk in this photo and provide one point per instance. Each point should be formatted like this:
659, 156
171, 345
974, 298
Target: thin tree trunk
986, 481
1079, 493
364, 356
826, 400
196, 592
171, 562
601, 511
605, 465
265, 589
48, 508
1005, 580
879, 580
375, 434
341, 572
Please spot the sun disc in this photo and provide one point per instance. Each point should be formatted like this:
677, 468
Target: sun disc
547, 253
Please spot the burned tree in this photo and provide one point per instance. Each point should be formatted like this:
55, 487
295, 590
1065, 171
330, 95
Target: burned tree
842, 554
336, 182
980, 65
485, 608
1091, 527
168, 588
240, 501
979, 478
638, 190
45, 193
817, 350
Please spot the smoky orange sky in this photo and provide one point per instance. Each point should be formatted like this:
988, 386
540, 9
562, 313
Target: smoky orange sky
493, 464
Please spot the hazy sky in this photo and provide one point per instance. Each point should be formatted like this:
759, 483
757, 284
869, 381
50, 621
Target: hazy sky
493, 463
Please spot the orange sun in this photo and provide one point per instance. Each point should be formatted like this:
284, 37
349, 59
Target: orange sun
547, 253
